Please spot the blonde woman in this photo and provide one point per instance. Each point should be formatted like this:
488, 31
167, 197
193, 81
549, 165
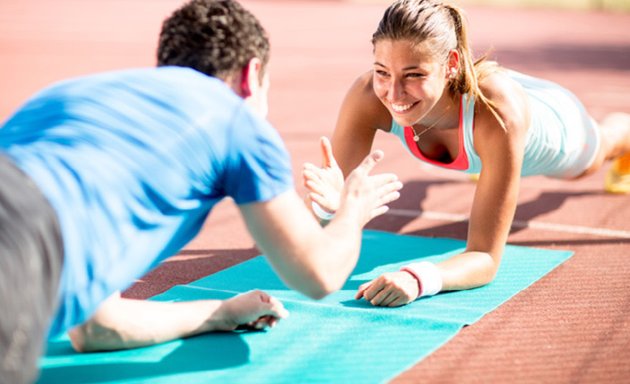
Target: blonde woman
475, 117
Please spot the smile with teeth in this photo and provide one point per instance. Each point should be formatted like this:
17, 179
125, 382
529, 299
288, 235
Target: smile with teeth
401, 107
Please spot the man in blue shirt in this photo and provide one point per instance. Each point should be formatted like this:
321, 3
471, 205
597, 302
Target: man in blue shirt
105, 176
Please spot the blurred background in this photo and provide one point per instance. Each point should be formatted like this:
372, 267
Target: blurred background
578, 330
609, 5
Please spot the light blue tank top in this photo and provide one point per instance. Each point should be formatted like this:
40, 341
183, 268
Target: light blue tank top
562, 140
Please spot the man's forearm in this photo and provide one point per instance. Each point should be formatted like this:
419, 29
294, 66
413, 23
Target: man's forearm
126, 323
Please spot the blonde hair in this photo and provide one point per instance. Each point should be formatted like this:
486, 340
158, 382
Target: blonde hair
442, 26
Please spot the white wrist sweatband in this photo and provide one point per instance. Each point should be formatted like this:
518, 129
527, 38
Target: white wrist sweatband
319, 212
428, 276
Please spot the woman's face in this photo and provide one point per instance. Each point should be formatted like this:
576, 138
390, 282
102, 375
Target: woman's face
407, 80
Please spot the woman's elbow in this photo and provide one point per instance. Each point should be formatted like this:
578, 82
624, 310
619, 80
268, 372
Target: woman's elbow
490, 276
485, 268
491, 271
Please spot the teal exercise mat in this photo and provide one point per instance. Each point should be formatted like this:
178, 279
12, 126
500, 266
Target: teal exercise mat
315, 344
334, 340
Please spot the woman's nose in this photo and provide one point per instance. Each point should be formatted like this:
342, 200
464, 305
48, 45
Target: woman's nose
395, 90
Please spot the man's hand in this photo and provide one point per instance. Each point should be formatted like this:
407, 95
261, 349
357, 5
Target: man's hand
252, 310
370, 193
391, 289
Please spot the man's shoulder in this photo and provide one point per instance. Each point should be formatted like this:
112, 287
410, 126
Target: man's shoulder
174, 78
179, 78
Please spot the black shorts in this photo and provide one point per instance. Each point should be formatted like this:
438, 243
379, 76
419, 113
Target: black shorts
31, 258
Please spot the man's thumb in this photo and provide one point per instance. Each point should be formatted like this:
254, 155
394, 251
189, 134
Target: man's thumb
370, 161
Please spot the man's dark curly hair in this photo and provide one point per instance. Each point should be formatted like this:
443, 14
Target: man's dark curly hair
215, 37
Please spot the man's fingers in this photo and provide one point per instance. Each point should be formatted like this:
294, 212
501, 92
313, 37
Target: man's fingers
393, 186
376, 212
276, 309
370, 161
393, 196
390, 197
389, 180
264, 297
270, 306
389, 192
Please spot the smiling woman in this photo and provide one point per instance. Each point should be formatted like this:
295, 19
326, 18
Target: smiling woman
473, 116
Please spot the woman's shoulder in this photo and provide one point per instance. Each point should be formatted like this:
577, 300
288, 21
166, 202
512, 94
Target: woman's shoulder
363, 105
362, 90
498, 86
507, 98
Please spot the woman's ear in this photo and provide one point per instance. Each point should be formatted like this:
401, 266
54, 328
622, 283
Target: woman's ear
452, 64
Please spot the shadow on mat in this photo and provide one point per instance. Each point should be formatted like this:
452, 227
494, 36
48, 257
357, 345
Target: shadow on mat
196, 354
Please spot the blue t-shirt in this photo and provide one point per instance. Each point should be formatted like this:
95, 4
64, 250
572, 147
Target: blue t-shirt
133, 161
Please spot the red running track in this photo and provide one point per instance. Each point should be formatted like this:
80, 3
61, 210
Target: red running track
571, 326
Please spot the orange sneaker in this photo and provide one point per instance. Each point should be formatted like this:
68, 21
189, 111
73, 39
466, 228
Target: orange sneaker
618, 176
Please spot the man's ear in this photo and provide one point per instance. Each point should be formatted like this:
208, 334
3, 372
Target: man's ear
250, 77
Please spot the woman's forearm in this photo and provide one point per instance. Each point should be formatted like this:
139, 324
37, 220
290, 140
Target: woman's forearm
467, 270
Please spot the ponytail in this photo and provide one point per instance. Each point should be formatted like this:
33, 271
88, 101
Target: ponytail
471, 72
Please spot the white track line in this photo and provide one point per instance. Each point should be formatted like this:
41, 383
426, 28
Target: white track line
456, 217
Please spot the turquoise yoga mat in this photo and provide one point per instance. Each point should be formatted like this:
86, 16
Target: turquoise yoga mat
335, 340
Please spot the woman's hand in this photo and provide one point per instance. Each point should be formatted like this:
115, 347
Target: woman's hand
326, 182
391, 289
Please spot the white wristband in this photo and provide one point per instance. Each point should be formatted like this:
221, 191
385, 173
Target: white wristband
428, 275
319, 212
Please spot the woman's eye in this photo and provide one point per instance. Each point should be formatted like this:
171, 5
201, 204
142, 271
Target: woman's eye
382, 73
414, 75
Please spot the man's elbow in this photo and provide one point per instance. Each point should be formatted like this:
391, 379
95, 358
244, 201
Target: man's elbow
77, 338
93, 337
317, 293
321, 286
